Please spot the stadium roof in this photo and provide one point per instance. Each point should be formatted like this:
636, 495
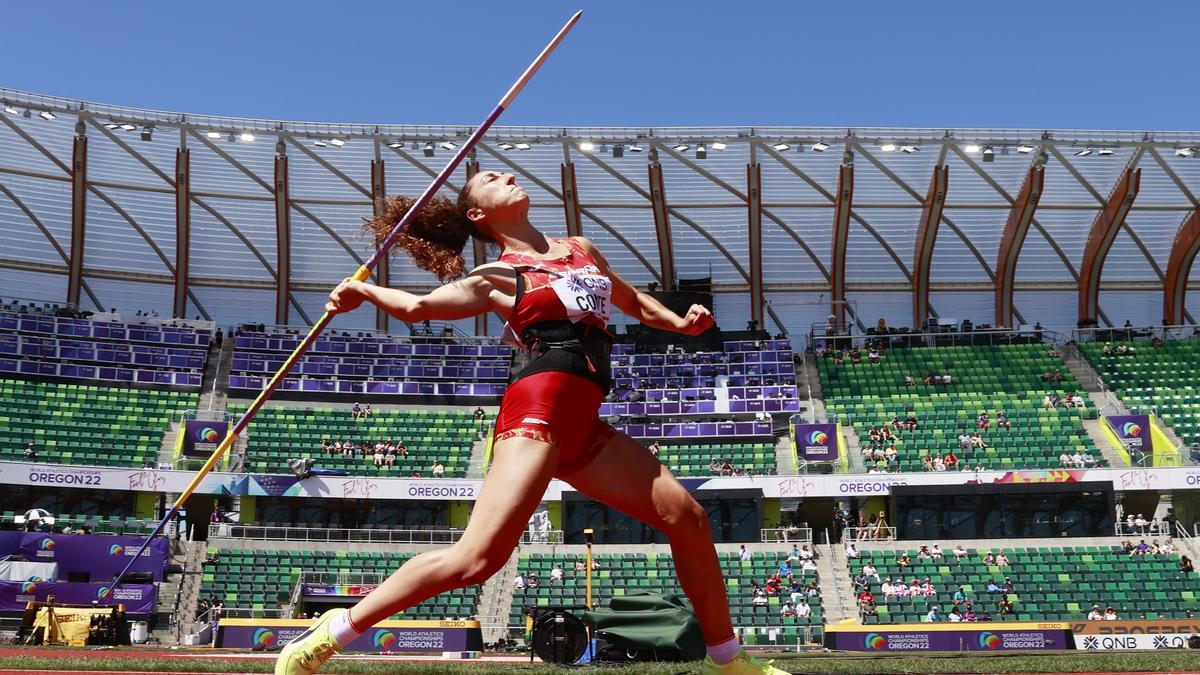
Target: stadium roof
706, 208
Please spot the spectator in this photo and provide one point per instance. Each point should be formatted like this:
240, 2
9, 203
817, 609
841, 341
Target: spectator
903, 561
556, 574
936, 552
805, 552
812, 589
1141, 524
760, 599
1110, 614
519, 581
479, 413
796, 592
580, 566
1007, 586
960, 597
951, 462
1066, 460
744, 553
888, 588
1005, 607
992, 588
401, 448
954, 616
1095, 614
977, 440
439, 470
773, 586
852, 551
378, 455
873, 356
1167, 548
1002, 420
911, 422
866, 602
356, 412
983, 421
909, 381
533, 581
803, 610
923, 552
934, 615
785, 570
1142, 548
964, 441
1001, 559
654, 448
959, 552
1185, 565
787, 610
30, 452
869, 570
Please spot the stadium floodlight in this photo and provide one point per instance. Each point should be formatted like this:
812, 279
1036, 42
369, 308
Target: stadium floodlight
246, 137
1025, 149
681, 147
701, 151
587, 146
523, 146
215, 135
1185, 152
395, 144
971, 149
337, 142
820, 146
320, 143
888, 147
9, 109
447, 145
989, 154
781, 146
505, 146
618, 150
47, 115
1105, 152
428, 149
126, 126
148, 132
910, 149
1084, 152
718, 145
112, 125
635, 148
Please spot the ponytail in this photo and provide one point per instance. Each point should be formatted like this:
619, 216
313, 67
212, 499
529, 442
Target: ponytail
435, 239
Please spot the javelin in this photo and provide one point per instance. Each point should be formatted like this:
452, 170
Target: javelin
362, 274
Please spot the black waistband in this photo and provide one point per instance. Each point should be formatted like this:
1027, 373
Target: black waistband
579, 348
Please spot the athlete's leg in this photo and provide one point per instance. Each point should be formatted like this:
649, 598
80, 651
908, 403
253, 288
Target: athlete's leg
625, 476
521, 470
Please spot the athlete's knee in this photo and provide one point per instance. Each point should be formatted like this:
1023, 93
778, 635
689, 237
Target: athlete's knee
472, 567
684, 518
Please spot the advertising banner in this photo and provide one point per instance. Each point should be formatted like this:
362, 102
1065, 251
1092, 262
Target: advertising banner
137, 598
951, 638
201, 437
335, 590
388, 636
1133, 431
28, 571
10, 542
102, 556
817, 442
1121, 635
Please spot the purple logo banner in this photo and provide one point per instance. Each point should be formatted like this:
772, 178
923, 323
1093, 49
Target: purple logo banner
993, 639
817, 442
101, 556
201, 437
137, 598
390, 636
1133, 431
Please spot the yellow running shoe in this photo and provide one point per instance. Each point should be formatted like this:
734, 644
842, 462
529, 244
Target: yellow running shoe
311, 649
742, 664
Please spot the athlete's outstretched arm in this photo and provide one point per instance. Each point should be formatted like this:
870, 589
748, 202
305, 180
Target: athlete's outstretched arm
643, 306
456, 300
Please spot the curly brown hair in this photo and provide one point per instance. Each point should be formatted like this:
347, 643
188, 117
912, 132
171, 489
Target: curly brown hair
435, 238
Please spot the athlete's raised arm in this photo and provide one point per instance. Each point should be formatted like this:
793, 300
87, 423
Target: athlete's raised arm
643, 306
466, 297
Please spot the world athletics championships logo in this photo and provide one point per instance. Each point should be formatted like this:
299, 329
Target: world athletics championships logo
988, 640
28, 587
116, 549
817, 437
35, 579
384, 640
1131, 430
102, 592
46, 544
264, 637
875, 642
207, 435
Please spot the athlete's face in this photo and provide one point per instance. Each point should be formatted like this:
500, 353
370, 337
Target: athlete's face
496, 198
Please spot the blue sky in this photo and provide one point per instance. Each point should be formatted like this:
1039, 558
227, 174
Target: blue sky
1043, 64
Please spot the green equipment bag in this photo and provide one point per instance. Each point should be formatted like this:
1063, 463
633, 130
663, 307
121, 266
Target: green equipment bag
655, 627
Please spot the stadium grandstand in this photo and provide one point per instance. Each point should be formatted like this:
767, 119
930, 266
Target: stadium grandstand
920, 402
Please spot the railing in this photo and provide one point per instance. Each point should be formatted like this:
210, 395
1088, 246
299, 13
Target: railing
342, 577
437, 331
322, 534
1154, 528
850, 534
542, 537
802, 535
1135, 333
854, 338
773, 635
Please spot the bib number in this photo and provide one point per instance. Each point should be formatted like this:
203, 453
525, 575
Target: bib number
584, 294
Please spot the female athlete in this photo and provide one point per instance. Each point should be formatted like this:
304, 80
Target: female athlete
556, 295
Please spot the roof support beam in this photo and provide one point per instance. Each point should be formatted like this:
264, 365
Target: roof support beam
79, 192
383, 270
1104, 231
571, 200
183, 230
1020, 217
842, 208
927, 230
283, 241
478, 249
662, 226
754, 232
1183, 254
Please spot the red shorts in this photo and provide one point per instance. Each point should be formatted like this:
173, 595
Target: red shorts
558, 408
